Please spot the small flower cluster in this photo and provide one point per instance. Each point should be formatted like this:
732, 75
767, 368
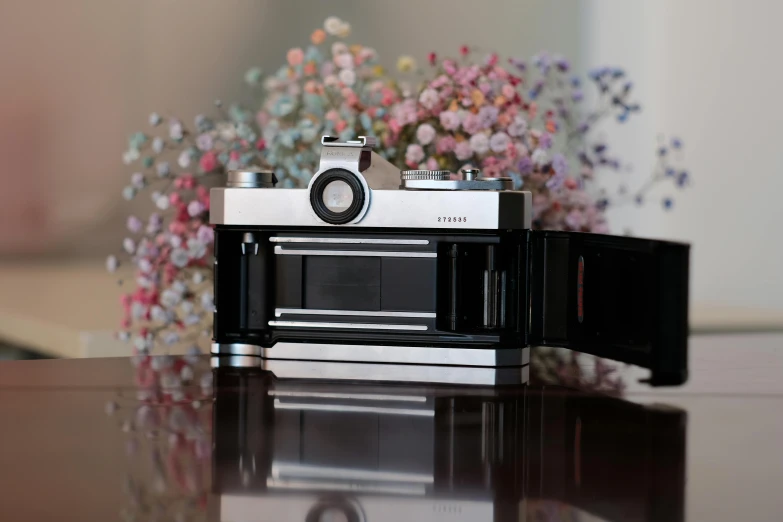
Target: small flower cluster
329, 88
529, 122
167, 425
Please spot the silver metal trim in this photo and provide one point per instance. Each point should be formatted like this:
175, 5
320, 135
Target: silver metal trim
283, 469
458, 184
351, 396
305, 406
303, 485
363, 353
350, 253
361, 313
390, 208
407, 373
349, 241
354, 326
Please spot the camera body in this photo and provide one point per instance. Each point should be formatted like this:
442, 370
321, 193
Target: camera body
374, 265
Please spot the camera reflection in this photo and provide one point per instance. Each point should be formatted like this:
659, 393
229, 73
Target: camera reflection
307, 451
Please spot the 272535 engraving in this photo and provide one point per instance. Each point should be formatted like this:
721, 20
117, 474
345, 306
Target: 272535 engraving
453, 219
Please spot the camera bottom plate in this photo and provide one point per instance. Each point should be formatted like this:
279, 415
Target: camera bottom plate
466, 366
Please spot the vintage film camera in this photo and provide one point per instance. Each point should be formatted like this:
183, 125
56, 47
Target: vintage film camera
326, 452
374, 265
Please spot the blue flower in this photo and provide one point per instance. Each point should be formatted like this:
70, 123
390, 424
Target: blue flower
379, 113
525, 166
245, 132
682, 179
518, 181
203, 124
576, 81
312, 54
284, 106
676, 143
577, 95
670, 172
639, 199
602, 204
237, 113
560, 164
247, 158
662, 151
366, 121
622, 117
617, 73
668, 203
253, 76
136, 140
562, 64
288, 138
348, 134
308, 130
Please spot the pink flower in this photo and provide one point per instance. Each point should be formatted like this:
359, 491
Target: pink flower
445, 144
387, 97
432, 58
332, 115
414, 154
395, 126
195, 208
499, 142
492, 60
425, 134
260, 144
205, 234
508, 91
429, 98
485, 87
432, 164
575, 220
449, 120
208, 161
450, 67
340, 125
295, 56
440, 81
174, 198
463, 150
471, 124
344, 61
185, 181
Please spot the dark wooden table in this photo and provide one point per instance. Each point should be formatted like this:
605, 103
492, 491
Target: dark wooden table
174, 439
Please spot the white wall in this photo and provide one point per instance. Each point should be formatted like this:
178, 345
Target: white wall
708, 71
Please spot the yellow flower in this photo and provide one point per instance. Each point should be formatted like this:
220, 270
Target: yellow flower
454, 106
355, 49
499, 101
478, 98
406, 63
344, 30
378, 70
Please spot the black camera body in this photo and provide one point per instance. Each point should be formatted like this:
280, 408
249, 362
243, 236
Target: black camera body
374, 265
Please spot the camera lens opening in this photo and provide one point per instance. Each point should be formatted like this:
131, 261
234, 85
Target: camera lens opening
337, 196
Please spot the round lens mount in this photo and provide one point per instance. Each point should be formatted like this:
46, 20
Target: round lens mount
337, 196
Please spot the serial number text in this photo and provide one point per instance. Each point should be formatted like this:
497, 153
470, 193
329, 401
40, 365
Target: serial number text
453, 219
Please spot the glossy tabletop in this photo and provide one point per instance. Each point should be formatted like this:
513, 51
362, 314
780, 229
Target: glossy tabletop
169, 438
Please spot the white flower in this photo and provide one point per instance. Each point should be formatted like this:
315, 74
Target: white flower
179, 257
344, 30
130, 156
333, 25
137, 310
193, 354
184, 159
179, 286
429, 98
170, 338
195, 208
479, 143
157, 313
163, 169
169, 298
176, 132
144, 282
112, 264
539, 157
155, 119
145, 265
198, 278
141, 344
186, 307
207, 302
517, 127
331, 80
129, 245
339, 48
227, 131
123, 336
196, 248
186, 374
499, 142
414, 153
175, 241
347, 76
425, 133
162, 202
157, 145
206, 383
192, 319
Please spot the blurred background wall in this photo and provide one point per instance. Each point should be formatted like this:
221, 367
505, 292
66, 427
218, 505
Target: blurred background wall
80, 76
